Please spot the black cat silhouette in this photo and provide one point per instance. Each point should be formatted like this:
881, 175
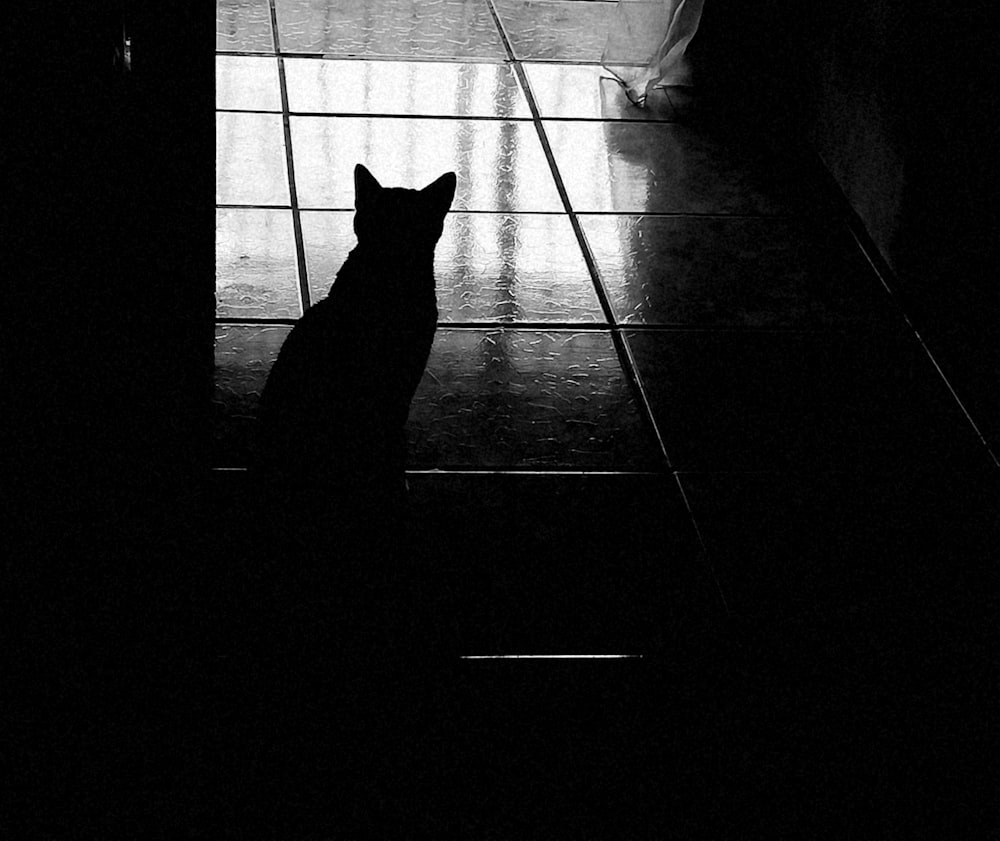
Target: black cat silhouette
332, 446
346, 628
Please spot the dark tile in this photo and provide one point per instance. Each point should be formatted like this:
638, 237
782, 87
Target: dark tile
848, 551
527, 399
769, 401
243, 358
488, 267
415, 88
570, 564
865, 621
243, 25
500, 165
632, 167
489, 398
567, 750
404, 28
735, 272
540, 29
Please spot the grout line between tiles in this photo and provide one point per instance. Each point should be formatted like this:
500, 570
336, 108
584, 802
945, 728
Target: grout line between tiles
401, 57
494, 471
621, 347
581, 327
635, 213
541, 326
883, 273
706, 555
300, 253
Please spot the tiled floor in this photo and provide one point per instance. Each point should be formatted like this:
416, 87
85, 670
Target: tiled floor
664, 365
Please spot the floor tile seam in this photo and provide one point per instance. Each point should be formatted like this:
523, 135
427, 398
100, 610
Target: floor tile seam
244, 53
819, 473
466, 326
394, 58
366, 115
572, 326
473, 117
415, 58
406, 57
705, 555
300, 256
512, 471
632, 373
561, 212
422, 116
307, 209
621, 346
398, 58
884, 275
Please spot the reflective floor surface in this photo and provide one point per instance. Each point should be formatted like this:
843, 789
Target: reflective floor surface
668, 397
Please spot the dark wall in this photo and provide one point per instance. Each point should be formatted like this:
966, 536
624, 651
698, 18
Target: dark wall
107, 381
899, 100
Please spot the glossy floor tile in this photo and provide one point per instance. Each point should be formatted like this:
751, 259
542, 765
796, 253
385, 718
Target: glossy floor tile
247, 83
244, 26
555, 29
244, 355
256, 271
589, 92
598, 562
401, 28
793, 401
250, 166
500, 165
488, 267
735, 272
415, 88
527, 398
629, 167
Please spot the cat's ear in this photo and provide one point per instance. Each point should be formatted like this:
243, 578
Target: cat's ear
365, 186
441, 192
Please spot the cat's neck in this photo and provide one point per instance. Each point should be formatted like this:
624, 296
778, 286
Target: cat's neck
366, 258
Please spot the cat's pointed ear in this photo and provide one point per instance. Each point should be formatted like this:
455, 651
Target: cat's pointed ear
365, 186
442, 191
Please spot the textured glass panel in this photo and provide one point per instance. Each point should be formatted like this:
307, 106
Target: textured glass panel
500, 165
250, 159
733, 272
556, 30
328, 237
587, 91
256, 274
247, 83
633, 167
513, 268
748, 400
429, 88
243, 358
243, 25
442, 28
488, 267
525, 398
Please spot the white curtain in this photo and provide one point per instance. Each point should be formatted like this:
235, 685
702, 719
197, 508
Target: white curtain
647, 41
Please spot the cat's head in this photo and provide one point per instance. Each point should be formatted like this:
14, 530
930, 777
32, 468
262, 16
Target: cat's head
402, 218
